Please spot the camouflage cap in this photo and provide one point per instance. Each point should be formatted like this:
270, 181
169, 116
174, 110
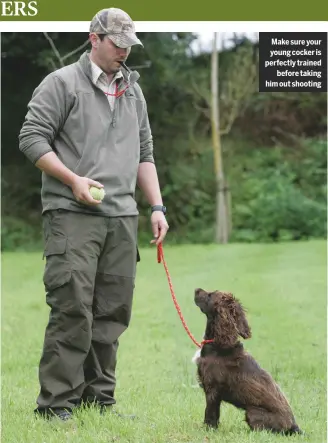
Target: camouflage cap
118, 25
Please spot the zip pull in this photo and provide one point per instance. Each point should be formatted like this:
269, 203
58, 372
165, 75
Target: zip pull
114, 110
114, 114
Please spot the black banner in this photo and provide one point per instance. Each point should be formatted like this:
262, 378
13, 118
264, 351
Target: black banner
293, 61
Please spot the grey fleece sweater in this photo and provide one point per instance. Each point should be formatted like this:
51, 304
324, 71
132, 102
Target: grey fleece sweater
69, 115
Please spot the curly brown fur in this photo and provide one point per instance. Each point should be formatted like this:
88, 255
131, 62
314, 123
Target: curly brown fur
228, 373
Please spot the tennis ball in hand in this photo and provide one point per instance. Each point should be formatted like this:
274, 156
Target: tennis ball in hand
97, 193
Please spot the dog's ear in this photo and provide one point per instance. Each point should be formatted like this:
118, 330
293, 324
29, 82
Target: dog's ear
224, 326
242, 325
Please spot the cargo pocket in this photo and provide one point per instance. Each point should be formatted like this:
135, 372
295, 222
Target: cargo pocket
57, 270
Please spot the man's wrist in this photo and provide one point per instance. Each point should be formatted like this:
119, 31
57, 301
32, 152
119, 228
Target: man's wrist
160, 208
71, 179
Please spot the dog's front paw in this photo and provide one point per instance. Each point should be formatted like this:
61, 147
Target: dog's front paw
210, 426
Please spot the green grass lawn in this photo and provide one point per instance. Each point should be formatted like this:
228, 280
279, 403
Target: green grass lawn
283, 287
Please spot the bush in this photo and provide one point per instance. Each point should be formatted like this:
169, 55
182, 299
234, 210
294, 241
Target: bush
279, 211
17, 233
280, 197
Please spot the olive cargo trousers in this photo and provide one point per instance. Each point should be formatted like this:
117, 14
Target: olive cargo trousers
89, 280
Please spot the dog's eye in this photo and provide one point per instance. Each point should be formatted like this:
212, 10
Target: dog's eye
210, 294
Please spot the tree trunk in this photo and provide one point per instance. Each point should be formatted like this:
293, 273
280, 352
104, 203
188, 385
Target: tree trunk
222, 225
229, 208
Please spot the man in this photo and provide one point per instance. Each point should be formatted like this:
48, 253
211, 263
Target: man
87, 125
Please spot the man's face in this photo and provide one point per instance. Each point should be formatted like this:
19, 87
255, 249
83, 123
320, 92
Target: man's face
108, 55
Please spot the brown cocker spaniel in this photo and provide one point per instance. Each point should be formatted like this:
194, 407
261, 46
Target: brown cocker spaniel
228, 373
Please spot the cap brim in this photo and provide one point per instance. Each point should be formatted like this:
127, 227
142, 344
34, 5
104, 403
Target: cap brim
125, 40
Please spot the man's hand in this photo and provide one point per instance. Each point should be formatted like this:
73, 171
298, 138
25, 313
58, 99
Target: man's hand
80, 187
159, 226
